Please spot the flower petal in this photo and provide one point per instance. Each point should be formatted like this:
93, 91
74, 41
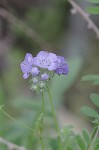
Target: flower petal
42, 55
26, 75
28, 57
52, 57
35, 61
35, 71
53, 66
45, 76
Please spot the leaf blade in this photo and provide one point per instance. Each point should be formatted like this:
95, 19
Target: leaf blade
90, 78
95, 99
86, 136
90, 112
81, 142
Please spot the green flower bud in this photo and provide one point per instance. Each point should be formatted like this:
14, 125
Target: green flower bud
34, 87
42, 85
35, 80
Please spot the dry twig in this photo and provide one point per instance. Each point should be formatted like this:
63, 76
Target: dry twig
10, 145
86, 16
27, 30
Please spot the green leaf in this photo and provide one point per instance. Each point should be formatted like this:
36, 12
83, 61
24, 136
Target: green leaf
67, 130
39, 121
81, 142
90, 78
90, 112
93, 10
95, 99
93, 1
86, 136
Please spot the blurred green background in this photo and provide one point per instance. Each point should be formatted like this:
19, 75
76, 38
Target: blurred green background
30, 26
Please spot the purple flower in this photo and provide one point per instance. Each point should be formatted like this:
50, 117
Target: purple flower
35, 71
44, 76
62, 67
45, 60
26, 65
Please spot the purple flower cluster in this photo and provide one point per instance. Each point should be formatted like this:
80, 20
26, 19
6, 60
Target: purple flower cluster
45, 61
43, 66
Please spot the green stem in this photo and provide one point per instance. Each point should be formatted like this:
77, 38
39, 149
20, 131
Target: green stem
41, 140
43, 102
54, 116
5, 113
53, 112
93, 137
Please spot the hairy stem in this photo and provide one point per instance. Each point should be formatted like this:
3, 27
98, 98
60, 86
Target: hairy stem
53, 112
93, 137
41, 140
41, 129
54, 116
42, 102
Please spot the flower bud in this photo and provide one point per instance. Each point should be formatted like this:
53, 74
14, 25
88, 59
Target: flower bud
34, 87
35, 80
42, 85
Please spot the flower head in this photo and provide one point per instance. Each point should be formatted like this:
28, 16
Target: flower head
45, 60
42, 68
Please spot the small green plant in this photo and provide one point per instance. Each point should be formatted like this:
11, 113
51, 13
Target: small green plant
92, 140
